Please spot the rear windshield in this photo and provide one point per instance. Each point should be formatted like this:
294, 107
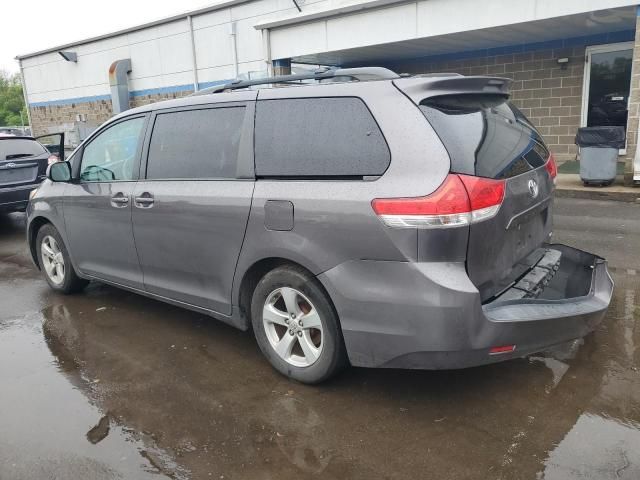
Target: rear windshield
485, 136
11, 148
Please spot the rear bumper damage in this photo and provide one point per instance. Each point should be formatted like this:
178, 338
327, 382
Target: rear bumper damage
429, 315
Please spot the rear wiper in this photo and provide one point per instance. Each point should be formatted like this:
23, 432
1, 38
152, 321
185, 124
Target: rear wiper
18, 155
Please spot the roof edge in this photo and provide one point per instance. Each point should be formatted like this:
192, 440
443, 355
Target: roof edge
326, 13
155, 23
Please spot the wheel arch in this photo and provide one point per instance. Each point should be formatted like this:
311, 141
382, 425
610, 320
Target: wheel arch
254, 274
34, 227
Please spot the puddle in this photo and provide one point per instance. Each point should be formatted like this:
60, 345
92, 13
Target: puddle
45, 413
596, 448
109, 384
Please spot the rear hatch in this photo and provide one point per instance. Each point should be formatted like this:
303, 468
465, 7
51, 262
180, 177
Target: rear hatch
488, 137
23, 161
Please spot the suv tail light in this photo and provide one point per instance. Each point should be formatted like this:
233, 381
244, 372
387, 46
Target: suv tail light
460, 200
551, 167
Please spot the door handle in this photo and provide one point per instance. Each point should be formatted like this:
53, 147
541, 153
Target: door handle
119, 200
144, 200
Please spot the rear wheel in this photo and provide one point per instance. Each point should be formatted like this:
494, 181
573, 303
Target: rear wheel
296, 326
55, 262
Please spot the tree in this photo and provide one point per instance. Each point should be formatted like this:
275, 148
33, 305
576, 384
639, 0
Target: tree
11, 100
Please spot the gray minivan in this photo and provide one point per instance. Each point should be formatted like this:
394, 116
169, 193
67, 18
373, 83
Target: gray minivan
354, 217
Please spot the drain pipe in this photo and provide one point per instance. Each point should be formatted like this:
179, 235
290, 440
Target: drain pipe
636, 161
194, 62
266, 50
234, 48
119, 84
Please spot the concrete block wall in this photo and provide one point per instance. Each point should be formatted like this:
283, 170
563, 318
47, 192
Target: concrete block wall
550, 96
634, 110
53, 118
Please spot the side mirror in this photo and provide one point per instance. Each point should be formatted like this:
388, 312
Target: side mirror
59, 172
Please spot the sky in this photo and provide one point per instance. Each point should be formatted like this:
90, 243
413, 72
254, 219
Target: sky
32, 25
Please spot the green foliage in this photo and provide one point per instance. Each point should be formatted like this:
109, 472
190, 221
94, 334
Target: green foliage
11, 100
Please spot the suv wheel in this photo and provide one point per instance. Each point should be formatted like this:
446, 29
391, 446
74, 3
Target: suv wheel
55, 262
296, 326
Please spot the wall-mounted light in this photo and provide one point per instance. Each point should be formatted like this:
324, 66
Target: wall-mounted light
69, 56
563, 62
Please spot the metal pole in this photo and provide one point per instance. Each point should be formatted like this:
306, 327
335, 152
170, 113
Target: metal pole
194, 63
266, 50
234, 48
26, 97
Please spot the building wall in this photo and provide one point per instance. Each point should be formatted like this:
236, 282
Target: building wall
634, 109
342, 25
551, 97
53, 118
161, 59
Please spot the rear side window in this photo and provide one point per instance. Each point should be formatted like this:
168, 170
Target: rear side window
485, 136
196, 144
11, 148
318, 137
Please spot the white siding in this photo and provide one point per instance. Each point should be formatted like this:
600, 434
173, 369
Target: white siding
161, 54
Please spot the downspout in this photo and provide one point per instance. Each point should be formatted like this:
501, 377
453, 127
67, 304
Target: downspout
119, 84
234, 48
266, 50
25, 95
636, 161
194, 63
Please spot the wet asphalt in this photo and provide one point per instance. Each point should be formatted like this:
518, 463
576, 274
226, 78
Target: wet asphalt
111, 385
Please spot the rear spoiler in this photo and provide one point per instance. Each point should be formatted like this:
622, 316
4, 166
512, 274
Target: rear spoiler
419, 88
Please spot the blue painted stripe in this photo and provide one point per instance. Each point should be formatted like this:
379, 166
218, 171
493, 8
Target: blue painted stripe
134, 93
596, 39
610, 37
68, 101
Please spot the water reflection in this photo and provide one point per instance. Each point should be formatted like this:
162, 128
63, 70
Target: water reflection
596, 447
202, 393
45, 417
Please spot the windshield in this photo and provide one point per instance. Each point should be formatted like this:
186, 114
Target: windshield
13, 148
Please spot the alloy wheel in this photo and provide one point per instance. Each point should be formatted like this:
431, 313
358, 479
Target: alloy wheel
52, 259
293, 326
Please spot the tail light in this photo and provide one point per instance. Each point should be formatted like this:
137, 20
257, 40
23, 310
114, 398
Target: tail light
551, 167
460, 200
52, 159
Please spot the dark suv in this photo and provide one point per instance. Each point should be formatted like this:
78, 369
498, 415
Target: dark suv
367, 218
23, 165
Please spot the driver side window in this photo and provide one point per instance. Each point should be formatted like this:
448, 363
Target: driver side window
111, 155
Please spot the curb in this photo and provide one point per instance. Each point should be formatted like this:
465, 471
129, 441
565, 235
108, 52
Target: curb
629, 197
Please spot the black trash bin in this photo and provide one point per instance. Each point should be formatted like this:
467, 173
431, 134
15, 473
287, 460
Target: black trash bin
599, 153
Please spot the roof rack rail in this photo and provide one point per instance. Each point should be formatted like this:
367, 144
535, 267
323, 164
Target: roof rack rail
355, 74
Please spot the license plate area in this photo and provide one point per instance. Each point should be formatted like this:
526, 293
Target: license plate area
18, 174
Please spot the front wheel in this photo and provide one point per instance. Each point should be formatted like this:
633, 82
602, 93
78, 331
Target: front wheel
296, 326
55, 262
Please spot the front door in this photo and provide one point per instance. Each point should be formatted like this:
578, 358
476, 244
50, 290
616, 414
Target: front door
97, 205
191, 207
607, 84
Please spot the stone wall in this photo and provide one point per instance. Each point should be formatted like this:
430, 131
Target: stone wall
550, 96
56, 118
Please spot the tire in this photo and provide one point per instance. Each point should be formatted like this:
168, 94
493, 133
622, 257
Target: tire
65, 279
324, 353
